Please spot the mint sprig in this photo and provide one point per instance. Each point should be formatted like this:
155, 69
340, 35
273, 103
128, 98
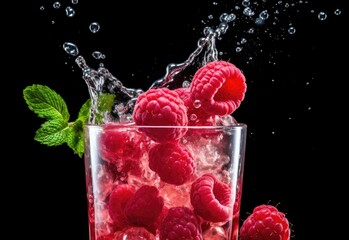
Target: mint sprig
57, 129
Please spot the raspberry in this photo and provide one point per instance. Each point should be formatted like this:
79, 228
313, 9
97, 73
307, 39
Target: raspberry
211, 199
122, 148
219, 87
117, 202
144, 208
180, 223
161, 107
173, 162
265, 223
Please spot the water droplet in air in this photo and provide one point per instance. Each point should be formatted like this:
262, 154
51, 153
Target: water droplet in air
248, 12
42, 8
98, 55
70, 12
337, 12
245, 3
251, 30
322, 16
291, 30
71, 48
94, 27
74, 1
238, 49
264, 15
56, 5
227, 17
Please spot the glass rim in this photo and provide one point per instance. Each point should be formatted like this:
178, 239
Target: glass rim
133, 125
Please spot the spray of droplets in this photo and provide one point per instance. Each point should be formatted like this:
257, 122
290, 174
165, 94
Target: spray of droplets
251, 15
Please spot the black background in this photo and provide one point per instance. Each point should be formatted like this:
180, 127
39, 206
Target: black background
295, 104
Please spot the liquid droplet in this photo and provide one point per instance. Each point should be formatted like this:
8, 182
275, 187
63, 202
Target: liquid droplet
337, 12
94, 27
186, 84
291, 30
56, 5
197, 104
322, 16
71, 48
70, 12
245, 3
264, 15
193, 117
98, 55
238, 49
248, 12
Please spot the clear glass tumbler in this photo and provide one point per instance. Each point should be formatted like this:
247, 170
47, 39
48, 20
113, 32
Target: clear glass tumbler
143, 184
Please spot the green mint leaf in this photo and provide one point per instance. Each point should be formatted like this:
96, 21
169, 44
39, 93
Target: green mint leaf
45, 102
75, 137
104, 104
52, 132
84, 113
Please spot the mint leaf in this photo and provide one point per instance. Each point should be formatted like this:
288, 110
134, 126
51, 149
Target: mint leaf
104, 105
84, 113
52, 132
75, 137
45, 102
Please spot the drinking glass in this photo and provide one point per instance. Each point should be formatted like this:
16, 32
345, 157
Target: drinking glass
143, 183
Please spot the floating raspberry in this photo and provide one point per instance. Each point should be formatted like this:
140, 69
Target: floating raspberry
265, 223
161, 107
219, 87
173, 162
144, 208
122, 148
117, 202
180, 223
211, 199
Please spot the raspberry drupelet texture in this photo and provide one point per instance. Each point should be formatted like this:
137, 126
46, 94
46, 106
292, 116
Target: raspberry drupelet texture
173, 162
117, 202
180, 223
122, 148
265, 223
211, 199
161, 107
219, 87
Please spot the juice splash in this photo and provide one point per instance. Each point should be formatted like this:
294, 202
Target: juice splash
101, 80
256, 21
